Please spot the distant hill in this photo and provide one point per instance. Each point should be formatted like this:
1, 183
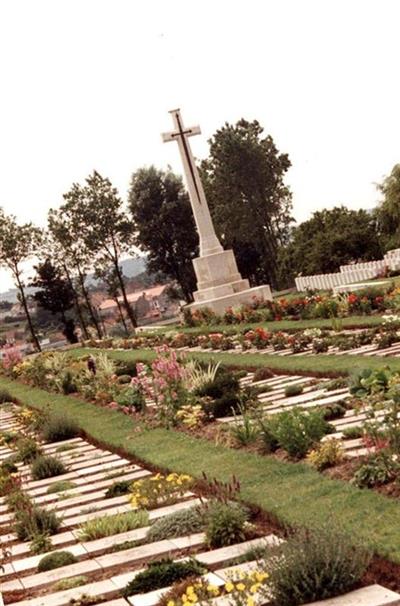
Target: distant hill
131, 268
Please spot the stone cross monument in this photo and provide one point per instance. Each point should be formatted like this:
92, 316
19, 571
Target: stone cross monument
219, 282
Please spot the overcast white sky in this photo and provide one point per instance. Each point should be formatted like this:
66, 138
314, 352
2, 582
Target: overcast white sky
88, 83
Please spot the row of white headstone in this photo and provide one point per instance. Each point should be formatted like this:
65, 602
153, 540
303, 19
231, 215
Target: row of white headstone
348, 274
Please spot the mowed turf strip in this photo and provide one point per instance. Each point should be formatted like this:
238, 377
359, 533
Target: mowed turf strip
286, 325
294, 493
319, 364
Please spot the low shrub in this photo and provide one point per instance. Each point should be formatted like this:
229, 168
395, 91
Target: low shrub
60, 486
313, 566
333, 411
225, 524
8, 465
107, 525
132, 397
327, 454
293, 430
376, 471
180, 523
56, 560
158, 490
5, 396
58, 428
118, 489
320, 345
27, 450
41, 543
293, 390
261, 374
162, 573
352, 433
35, 521
66, 584
47, 467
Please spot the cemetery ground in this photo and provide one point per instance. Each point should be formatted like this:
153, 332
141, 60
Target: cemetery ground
284, 486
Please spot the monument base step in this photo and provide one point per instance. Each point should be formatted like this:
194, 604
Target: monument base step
219, 304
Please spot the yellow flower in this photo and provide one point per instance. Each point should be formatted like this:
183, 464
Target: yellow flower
171, 603
229, 586
250, 601
261, 576
189, 590
240, 586
254, 588
184, 598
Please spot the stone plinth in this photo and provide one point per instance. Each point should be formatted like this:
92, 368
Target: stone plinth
220, 284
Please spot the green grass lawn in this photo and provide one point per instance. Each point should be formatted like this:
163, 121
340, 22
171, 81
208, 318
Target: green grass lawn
286, 325
315, 364
293, 493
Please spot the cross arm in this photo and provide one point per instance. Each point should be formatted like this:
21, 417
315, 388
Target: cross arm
189, 132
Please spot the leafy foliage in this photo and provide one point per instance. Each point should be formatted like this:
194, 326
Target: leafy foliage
329, 239
107, 525
225, 524
293, 430
315, 566
163, 220
58, 428
244, 182
162, 573
56, 560
47, 467
179, 523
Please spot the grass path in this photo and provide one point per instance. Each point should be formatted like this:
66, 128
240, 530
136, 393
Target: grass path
314, 364
287, 325
294, 493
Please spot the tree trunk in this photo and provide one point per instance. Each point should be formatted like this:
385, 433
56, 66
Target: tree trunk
28, 316
88, 303
121, 314
127, 305
77, 304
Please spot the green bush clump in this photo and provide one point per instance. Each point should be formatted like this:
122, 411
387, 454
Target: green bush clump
60, 486
58, 428
8, 465
5, 396
376, 471
293, 430
47, 467
334, 411
118, 489
107, 526
293, 390
66, 584
180, 523
352, 433
365, 381
162, 573
35, 521
56, 560
223, 393
27, 450
225, 524
261, 374
313, 566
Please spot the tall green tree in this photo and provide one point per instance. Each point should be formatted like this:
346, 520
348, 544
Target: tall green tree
110, 278
65, 244
164, 225
388, 210
55, 294
329, 239
249, 201
18, 244
97, 210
